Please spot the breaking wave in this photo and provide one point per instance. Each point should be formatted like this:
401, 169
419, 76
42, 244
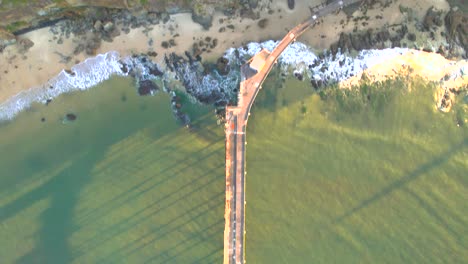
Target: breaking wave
299, 57
82, 76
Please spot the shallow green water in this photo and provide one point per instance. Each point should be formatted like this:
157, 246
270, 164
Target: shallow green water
347, 179
355, 179
124, 183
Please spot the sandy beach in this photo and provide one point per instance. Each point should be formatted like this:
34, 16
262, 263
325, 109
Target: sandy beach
22, 71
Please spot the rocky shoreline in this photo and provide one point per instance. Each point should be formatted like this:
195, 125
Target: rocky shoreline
105, 18
445, 32
215, 81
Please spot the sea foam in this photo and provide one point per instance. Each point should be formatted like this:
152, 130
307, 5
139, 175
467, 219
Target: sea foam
297, 56
337, 67
83, 76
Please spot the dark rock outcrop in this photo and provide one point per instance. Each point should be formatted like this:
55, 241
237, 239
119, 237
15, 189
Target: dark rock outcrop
203, 81
456, 23
299, 76
262, 23
6, 38
249, 13
253, 4
433, 18
176, 106
291, 4
154, 70
222, 66
147, 87
369, 40
204, 19
25, 44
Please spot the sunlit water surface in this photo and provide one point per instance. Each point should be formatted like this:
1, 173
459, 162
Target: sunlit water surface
123, 183
376, 176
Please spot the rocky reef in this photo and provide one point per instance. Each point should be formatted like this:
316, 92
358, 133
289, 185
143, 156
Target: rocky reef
439, 31
216, 82
208, 83
20, 16
456, 23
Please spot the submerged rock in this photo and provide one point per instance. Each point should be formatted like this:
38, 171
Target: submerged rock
70, 117
147, 87
205, 82
222, 65
299, 76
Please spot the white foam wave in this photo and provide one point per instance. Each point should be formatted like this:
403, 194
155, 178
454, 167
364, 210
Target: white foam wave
296, 54
332, 68
342, 67
299, 56
84, 75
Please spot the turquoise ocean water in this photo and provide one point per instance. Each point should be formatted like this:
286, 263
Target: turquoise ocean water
123, 183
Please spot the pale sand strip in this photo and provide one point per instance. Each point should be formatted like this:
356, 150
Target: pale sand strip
430, 67
42, 62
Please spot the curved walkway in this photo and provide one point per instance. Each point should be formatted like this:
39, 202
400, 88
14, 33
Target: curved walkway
253, 73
